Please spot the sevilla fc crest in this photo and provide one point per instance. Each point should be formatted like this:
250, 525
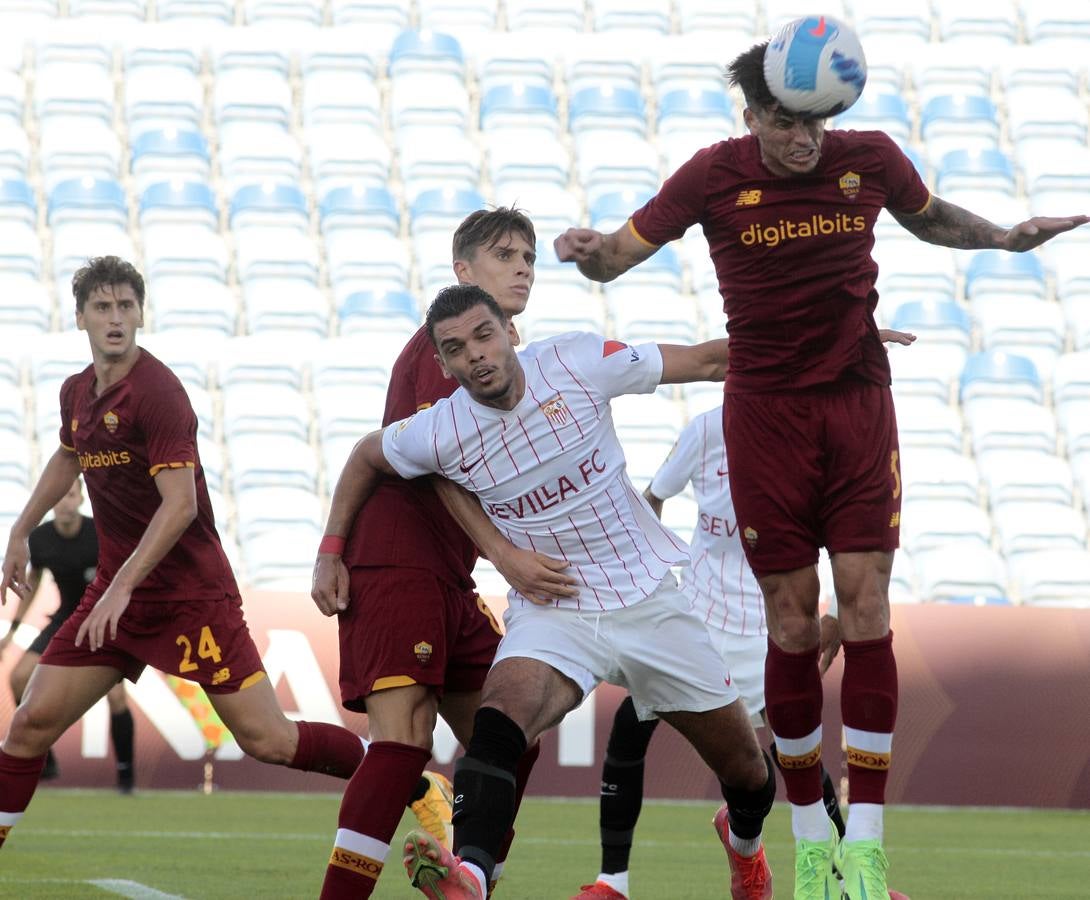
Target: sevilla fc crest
556, 411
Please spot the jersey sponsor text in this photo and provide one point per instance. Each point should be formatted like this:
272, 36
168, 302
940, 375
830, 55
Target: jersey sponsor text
786, 230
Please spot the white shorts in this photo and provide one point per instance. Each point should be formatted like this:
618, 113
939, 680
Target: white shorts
744, 656
657, 649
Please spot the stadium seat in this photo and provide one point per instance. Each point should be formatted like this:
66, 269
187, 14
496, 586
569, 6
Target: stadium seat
939, 474
611, 211
608, 108
1002, 423
926, 370
264, 409
169, 154
884, 112
695, 109
931, 524
382, 20
269, 205
262, 252
18, 203
999, 374
959, 122
200, 308
442, 209
979, 26
734, 18
65, 88
179, 203
75, 242
293, 14
25, 309
647, 417
994, 272
551, 208
427, 106
1024, 475
1071, 377
356, 359
928, 423
458, 16
285, 304
190, 355
962, 572
935, 76
88, 199
513, 62
914, 269
185, 250
266, 509
14, 150
366, 260
282, 558
371, 310
111, 11
244, 97
558, 15
975, 170
203, 13
359, 207
518, 159
452, 163
20, 250
96, 154
628, 162
567, 309
1034, 329
161, 95
1039, 114
1055, 22
261, 152
519, 105
342, 155
1036, 525
644, 17
780, 12
426, 52
639, 314
266, 358
1052, 577
342, 96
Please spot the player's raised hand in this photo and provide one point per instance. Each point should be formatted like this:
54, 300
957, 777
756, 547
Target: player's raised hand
104, 616
890, 336
577, 244
16, 561
539, 578
329, 585
1034, 232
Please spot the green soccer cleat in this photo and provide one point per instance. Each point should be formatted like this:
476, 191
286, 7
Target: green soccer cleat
863, 865
814, 878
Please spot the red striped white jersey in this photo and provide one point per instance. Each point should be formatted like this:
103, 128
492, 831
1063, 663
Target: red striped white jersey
551, 473
720, 583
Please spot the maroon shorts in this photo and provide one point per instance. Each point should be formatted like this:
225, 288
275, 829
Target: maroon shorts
206, 641
814, 468
406, 626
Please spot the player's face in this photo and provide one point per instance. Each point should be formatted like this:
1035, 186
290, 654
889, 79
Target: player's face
110, 317
68, 508
790, 145
477, 349
505, 270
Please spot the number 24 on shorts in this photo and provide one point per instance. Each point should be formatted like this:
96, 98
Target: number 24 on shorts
207, 648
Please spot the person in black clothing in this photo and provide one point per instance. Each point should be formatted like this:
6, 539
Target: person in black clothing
67, 546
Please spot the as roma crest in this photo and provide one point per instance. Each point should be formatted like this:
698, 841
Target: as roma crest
110, 420
423, 652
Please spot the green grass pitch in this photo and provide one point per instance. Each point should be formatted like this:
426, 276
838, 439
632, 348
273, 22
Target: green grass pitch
257, 846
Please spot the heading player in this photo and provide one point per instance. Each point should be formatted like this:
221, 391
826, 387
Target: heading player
66, 546
163, 593
415, 639
809, 425
532, 436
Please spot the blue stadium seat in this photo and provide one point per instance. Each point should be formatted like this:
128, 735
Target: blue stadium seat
425, 51
82, 199
612, 210
995, 271
443, 209
998, 374
170, 153
17, 201
269, 204
886, 112
1051, 22
934, 317
952, 122
181, 202
359, 206
608, 107
974, 169
519, 105
694, 104
368, 310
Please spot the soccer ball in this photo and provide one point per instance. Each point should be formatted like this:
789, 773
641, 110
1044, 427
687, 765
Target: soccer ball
815, 66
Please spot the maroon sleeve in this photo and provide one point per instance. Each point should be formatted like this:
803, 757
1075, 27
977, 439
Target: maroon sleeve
678, 204
65, 434
905, 190
169, 426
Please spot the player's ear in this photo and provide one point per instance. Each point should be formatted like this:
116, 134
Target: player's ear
750, 118
513, 333
446, 371
461, 272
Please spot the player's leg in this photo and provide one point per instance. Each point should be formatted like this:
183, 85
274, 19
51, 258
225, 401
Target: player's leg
862, 525
621, 799
522, 698
868, 704
122, 736
54, 699
18, 678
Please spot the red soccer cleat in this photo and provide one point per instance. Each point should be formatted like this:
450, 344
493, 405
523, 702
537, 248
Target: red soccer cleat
435, 871
897, 895
750, 876
598, 891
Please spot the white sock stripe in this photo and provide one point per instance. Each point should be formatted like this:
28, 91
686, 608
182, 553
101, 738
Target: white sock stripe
355, 842
870, 741
799, 746
366, 743
9, 818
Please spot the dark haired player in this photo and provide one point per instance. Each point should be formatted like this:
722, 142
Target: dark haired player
163, 593
66, 546
789, 213
415, 639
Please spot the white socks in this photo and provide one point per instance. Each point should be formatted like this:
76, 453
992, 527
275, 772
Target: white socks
618, 881
810, 822
864, 822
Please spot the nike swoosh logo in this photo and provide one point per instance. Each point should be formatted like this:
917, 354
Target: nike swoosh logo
820, 30
721, 473
467, 469
726, 681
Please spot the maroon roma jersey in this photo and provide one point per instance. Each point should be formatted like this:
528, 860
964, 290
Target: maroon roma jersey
792, 254
124, 436
404, 523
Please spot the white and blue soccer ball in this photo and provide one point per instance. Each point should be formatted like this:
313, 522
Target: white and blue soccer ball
815, 66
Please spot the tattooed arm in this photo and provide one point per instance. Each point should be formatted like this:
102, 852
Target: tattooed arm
948, 225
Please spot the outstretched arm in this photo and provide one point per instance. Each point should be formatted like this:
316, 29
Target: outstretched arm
537, 577
949, 225
602, 257
365, 464
57, 477
682, 364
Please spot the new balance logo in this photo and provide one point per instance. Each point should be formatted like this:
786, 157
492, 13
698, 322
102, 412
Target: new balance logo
467, 469
748, 198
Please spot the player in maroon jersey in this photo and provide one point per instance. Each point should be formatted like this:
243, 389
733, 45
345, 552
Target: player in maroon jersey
415, 639
163, 593
789, 213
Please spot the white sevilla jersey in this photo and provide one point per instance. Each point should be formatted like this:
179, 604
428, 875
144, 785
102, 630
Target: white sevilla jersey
550, 473
720, 583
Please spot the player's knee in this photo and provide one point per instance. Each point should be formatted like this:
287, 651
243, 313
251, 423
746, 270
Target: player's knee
34, 729
274, 749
